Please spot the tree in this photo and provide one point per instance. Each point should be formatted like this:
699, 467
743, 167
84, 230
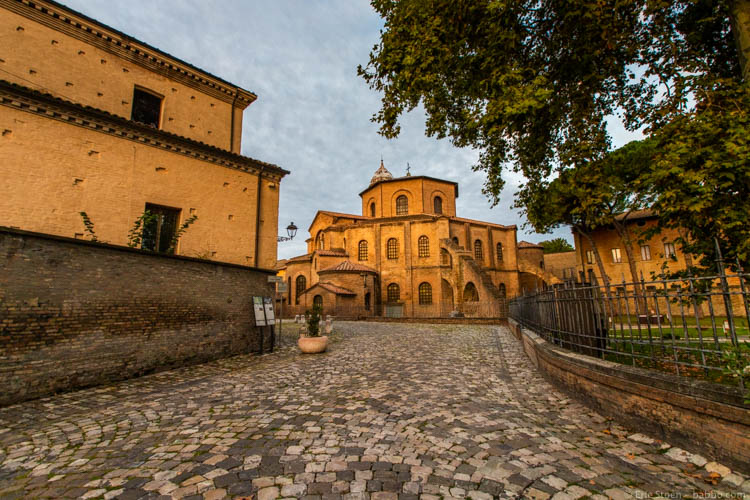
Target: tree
556, 245
530, 84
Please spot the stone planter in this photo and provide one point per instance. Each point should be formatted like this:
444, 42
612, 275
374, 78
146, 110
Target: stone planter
312, 345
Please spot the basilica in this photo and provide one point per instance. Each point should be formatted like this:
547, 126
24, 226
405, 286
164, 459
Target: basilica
409, 255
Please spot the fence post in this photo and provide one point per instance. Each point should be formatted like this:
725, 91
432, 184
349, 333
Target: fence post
725, 293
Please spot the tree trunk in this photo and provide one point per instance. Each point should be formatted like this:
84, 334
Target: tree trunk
627, 242
740, 18
597, 257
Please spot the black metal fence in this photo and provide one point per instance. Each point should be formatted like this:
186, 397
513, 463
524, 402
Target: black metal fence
696, 326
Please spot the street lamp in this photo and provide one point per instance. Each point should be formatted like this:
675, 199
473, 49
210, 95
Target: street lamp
291, 230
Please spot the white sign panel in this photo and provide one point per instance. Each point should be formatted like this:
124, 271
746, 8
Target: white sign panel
260, 313
275, 279
268, 306
282, 288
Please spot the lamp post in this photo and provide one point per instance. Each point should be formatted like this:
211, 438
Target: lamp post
291, 230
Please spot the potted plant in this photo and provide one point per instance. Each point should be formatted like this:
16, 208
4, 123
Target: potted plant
311, 341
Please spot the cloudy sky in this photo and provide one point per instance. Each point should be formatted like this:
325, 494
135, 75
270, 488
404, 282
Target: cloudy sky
312, 115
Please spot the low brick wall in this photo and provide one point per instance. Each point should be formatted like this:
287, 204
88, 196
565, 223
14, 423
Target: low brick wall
708, 419
75, 314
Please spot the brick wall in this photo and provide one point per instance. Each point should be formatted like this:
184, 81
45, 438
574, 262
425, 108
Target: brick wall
708, 419
75, 314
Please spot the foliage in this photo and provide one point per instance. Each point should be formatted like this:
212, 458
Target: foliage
556, 245
737, 365
180, 231
135, 235
313, 320
88, 225
531, 83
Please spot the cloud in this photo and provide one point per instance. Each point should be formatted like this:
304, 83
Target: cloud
313, 112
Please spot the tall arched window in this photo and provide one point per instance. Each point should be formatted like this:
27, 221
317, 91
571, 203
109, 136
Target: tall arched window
301, 285
423, 245
362, 251
470, 293
393, 293
438, 205
425, 294
318, 301
367, 301
478, 253
391, 248
372, 209
501, 288
499, 252
402, 205
321, 240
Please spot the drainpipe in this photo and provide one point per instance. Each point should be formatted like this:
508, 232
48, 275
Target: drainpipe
257, 221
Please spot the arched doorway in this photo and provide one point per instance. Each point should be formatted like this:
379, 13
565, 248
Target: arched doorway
446, 296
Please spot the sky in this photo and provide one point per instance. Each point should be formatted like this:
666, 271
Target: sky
312, 115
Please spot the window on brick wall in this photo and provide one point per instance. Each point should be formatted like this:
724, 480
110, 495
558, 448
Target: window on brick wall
301, 285
402, 205
391, 249
146, 107
423, 245
425, 294
362, 254
438, 205
616, 256
478, 252
159, 230
589, 256
499, 252
669, 250
372, 209
645, 252
393, 293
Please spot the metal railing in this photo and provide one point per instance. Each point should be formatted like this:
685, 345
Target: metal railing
690, 327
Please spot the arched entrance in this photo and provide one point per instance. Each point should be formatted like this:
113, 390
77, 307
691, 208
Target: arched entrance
446, 296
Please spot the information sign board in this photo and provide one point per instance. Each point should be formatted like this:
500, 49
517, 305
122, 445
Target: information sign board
268, 306
275, 279
260, 313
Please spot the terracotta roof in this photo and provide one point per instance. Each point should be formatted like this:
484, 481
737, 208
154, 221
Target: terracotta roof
526, 244
338, 290
348, 266
307, 256
280, 264
646, 213
334, 252
411, 178
339, 214
483, 223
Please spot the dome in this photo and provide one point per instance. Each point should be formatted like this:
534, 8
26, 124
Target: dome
381, 174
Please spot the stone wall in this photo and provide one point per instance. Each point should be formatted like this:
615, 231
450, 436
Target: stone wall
75, 314
708, 419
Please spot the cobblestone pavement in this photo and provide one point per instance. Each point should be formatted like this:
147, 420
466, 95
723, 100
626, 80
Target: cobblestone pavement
392, 411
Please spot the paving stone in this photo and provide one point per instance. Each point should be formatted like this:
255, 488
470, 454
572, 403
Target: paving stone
395, 411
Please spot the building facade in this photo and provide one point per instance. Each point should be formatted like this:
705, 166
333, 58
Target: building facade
95, 121
408, 254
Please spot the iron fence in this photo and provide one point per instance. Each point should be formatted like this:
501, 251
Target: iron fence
695, 326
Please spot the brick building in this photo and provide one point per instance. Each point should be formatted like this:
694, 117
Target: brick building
407, 254
95, 121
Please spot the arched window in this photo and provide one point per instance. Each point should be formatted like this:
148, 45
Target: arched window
438, 205
425, 294
318, 301
289, 290
455, 240
501, 288
423, 244
391, 248
321, 240
499, 252
470, 293
372, 209
402, 205
478, 253
393, 293
301, 285
362, 253
367, 301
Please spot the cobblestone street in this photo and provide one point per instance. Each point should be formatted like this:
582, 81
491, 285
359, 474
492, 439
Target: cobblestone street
390, 411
